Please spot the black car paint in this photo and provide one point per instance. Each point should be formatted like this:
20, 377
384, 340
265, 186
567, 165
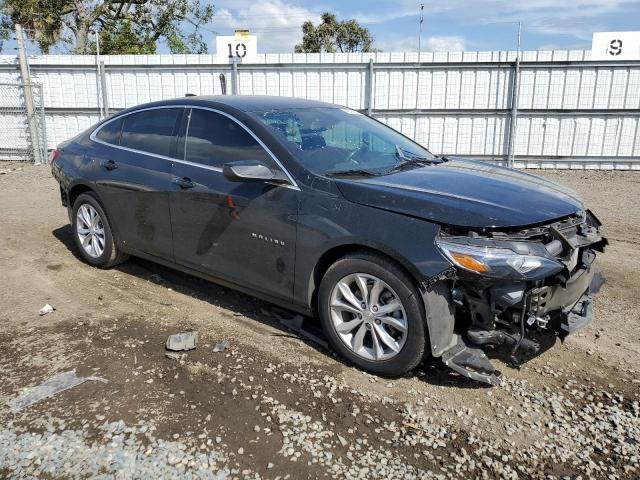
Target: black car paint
273, 241
312, 220
466, 194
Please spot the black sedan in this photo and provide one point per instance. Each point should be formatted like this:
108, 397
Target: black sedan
399, 253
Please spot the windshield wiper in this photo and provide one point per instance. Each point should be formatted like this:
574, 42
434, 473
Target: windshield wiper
403, 154
351, 173
407, 158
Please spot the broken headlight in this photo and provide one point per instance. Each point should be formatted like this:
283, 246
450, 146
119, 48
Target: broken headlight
516, 260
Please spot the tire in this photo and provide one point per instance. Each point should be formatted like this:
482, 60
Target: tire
99, 250
375, 355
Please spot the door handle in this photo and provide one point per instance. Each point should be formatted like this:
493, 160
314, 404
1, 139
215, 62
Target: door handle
184, 182
109, 165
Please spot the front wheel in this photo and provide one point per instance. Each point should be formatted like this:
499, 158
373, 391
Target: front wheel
372, 313
92, 233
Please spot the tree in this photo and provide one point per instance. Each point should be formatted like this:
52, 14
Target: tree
124, 26
334, 36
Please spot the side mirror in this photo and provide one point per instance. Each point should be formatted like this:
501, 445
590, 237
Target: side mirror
252, 171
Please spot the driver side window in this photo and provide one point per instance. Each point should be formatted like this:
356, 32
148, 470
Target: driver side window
213, 139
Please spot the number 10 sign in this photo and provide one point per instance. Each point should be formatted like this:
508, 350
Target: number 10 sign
240, 47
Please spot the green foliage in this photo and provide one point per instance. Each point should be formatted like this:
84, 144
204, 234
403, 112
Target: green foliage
334, 36
124, 26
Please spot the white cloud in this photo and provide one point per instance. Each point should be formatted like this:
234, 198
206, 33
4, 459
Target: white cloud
444, 44
429, 44
277, 24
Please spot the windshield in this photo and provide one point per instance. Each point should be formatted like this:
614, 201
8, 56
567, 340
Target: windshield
335, 140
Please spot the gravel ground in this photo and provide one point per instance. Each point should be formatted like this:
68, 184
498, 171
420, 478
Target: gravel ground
273, 405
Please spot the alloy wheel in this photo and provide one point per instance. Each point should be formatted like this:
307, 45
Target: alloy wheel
368, 316
90, 230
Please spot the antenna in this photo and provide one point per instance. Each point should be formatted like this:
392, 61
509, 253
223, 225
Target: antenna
420, 30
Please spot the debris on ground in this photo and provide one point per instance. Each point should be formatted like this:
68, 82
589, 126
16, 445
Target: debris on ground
47, 309
4, 171
178, 357
221, 346
52, 386
182, 341
296, 322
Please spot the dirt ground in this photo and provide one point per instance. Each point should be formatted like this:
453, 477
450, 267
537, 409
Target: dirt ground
276, 406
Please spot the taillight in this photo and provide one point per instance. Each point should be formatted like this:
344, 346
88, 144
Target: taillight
53, 156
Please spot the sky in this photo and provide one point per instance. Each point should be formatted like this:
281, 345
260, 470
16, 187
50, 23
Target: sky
449, 25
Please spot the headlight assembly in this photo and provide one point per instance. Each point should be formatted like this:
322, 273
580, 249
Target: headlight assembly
497, 262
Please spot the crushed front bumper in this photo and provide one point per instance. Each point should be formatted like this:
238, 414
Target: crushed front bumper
469, 315
551, 311
569, 306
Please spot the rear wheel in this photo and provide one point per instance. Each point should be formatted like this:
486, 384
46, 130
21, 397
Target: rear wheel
92, 233
371, 312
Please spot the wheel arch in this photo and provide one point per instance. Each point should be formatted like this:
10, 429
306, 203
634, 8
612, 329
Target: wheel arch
333, 254
75, 191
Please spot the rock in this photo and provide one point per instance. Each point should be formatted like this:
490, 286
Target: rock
182, 341
46, 309
221, 346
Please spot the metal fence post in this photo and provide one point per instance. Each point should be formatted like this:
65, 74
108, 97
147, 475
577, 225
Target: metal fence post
369, 96
234, 77
28, 97
105, 94
514, 111
42, 123
99, 77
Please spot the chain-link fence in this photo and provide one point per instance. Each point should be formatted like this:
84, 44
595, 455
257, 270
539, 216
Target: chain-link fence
23, 136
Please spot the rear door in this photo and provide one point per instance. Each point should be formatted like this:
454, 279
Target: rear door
135, 163
241, 232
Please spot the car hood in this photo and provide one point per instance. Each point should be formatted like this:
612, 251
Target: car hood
465, 193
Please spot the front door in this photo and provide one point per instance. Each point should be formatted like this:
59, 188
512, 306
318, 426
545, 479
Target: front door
133, 156
240, 232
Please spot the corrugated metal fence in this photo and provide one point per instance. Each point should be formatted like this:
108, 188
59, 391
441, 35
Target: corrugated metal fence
571, 112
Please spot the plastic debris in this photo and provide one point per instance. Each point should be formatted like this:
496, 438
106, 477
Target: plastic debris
47, 309
221, 346
175, 356
182, 341
52, 386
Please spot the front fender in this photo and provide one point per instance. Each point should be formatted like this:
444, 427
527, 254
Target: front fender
326, 222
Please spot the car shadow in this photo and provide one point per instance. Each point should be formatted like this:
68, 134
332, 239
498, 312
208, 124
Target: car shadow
431, 371
503, 353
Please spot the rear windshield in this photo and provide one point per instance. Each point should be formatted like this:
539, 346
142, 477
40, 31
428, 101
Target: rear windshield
326, 139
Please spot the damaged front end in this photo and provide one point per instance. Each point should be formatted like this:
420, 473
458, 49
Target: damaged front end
512, 289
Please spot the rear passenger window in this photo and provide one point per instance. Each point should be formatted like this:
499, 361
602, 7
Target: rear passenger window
150, 130
213, 139
110, 132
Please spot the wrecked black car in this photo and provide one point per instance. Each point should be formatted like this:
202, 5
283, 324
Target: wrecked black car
398, 252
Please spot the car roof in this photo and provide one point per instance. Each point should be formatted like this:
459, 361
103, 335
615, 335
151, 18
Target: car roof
245, 103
